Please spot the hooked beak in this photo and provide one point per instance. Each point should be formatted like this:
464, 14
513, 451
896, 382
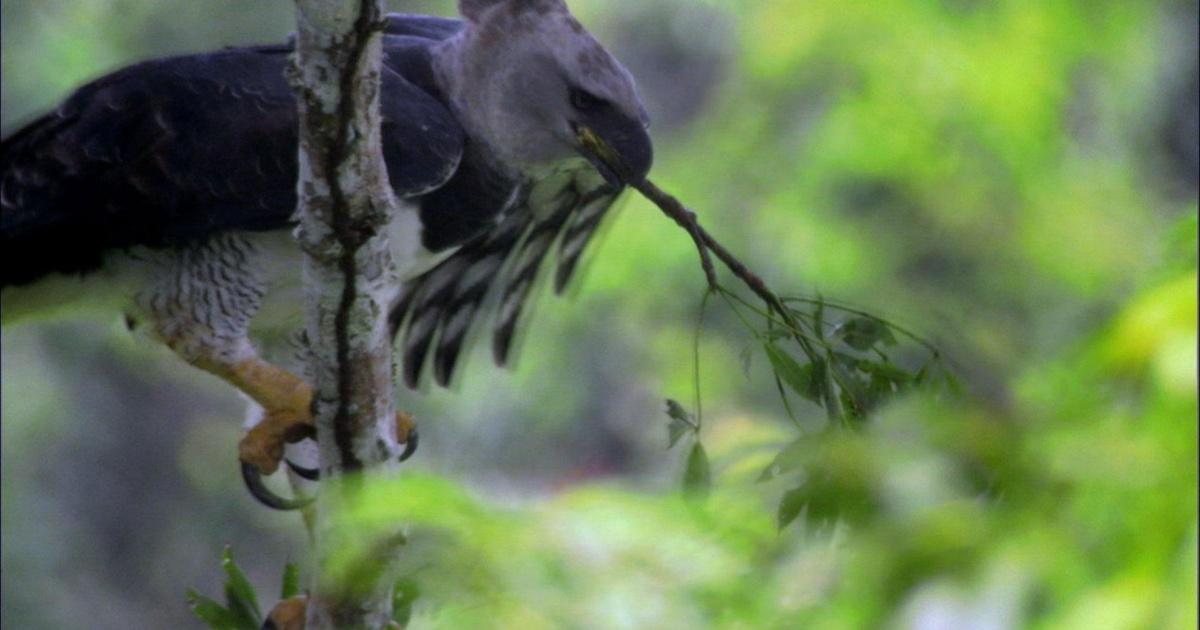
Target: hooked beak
621, 152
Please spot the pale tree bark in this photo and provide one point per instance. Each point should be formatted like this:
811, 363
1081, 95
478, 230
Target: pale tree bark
345, 202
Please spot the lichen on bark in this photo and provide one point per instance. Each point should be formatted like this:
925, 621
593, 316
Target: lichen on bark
344, 206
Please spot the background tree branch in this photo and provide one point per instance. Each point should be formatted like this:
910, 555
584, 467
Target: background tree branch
344, 204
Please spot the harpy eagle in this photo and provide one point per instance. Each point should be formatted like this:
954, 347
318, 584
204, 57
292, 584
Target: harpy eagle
166, 191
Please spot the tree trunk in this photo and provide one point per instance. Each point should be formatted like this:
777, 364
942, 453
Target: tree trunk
345, 202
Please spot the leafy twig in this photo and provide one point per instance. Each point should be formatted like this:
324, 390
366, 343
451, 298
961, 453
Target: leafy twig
705, 243
860, 382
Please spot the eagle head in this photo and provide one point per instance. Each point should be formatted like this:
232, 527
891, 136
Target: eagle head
527, 79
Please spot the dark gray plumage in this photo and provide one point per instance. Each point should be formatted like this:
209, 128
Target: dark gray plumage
166, 189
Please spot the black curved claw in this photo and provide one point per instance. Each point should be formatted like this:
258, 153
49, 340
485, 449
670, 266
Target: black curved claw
410, 445
314, 474
311, 474
254, 483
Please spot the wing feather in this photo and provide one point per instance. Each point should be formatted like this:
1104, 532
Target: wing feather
173, 150
496, 273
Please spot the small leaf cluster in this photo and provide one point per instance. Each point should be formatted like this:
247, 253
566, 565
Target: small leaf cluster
697, 475
842, 360
241, 610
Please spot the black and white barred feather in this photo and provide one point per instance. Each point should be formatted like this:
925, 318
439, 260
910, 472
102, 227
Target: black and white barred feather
496, 271
173, 154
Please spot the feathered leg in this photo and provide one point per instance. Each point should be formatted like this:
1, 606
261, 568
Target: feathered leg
286, 400
287, 404
199, 301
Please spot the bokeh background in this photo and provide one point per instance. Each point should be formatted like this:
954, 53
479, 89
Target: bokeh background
1016, 180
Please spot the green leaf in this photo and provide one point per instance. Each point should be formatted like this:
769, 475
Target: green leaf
881, 387
952, 384
921, 375
405, 594
213, 614
776, 334
854, 392
675, 430
861, 333
819, 319
697, 477
887, 370
825, 501
247, 618
238, 591
886, 379
291, 581
681, 422
799, 378
783, 397
677, 412
790, 506
833, 408
786, 460
816, 375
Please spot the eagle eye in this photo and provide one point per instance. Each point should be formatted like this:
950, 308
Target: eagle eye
585, 101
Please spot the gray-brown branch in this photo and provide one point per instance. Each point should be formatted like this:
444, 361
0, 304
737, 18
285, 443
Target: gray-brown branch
705, 243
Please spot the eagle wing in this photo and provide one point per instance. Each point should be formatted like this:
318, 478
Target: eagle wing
174, 150
423, 26
497, 268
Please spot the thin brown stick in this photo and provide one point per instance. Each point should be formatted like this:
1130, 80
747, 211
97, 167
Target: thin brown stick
686, 219
705, 243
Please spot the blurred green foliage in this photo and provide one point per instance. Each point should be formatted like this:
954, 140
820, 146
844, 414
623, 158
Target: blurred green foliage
996, 175
1074, 508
